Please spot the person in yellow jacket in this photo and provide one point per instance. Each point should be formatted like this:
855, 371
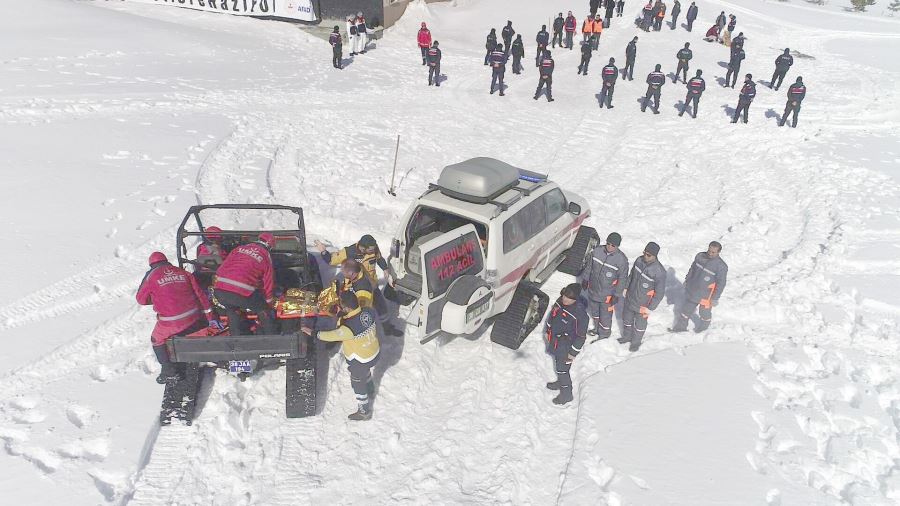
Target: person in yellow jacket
367, 253
352, 279
357, 332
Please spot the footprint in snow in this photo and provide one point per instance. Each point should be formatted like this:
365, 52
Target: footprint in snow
80, 416
95, 450
641, 483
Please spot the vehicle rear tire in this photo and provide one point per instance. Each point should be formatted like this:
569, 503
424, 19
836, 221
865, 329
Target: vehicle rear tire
300, 383
577, 256
524, 313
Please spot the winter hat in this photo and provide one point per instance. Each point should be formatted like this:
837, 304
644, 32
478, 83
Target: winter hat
615, 239
749, 76
268, 239
658, 67
367, 241
423, 24
612, 60
337, 28
699, 72
652, 248
572, 291
435, 44
157, 257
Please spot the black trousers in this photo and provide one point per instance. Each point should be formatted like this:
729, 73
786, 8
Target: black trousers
583, 66
777, 78
538, 55
541, 83
684, 312
790, 108
628, 70
517, 64
496, 78
434, 73
337, 57
690, 24
361, 379
674, 20
653, 93
682, 68
256, 302
742, 107
732, 75
606, 94
557, 36
563, 366
692, 100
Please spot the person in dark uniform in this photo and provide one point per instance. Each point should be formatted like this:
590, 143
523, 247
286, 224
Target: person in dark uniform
604, 280
337, 47
695, 88
782, 64
691, 16
489, 45
630, 55
498, 67
434, 64
507, 34
748, 91
586, 54
734, 67
795, 96
645, 289
518, 52
566, 330
738, 42
676, 10
609, 74
646, 17
655, 81
703, 285
542, 40
610, 7
684, 56
546, 77
558, 24
620, 6
594, 5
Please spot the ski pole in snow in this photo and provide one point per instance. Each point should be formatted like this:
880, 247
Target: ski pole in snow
392, 191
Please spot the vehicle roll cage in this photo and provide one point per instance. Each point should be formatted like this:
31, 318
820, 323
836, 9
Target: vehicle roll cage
194, 211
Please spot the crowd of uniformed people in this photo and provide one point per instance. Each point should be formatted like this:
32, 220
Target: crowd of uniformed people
509, 44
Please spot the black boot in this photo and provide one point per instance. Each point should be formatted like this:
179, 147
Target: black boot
564, 397
362, 413
553, 385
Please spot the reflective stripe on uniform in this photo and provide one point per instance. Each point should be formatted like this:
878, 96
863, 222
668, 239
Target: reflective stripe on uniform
601, 262
178, 316
238, 284
648, 278
705, 269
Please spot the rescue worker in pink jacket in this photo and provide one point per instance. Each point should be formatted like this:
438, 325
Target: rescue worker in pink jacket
246, 281
180, 307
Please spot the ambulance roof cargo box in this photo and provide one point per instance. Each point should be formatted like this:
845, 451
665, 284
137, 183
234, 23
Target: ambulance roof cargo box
478, 180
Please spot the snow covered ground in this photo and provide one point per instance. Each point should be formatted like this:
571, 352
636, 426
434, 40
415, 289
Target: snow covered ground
114, 117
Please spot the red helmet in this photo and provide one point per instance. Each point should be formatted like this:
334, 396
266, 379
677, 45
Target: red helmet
213, 233
268, 239
157, 257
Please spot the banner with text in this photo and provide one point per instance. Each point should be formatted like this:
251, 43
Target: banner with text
301, 10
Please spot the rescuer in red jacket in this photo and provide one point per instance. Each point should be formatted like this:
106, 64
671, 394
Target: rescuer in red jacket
180, 307
246, 281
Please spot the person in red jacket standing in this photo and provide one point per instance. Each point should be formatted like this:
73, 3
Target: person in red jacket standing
424, 39
570, 26
246, 281
180, 305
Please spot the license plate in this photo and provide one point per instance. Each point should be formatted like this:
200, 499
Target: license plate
478, 309
239, 366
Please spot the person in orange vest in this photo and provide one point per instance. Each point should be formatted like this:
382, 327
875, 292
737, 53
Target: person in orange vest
587, 28
660, 15
597, 31
703, 285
